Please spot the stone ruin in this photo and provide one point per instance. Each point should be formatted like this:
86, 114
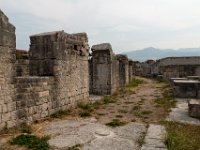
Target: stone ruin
108, 72
57, 75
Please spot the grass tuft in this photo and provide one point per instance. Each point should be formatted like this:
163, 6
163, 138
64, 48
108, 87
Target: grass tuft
75, 147
182, 136
107, 100
84, 114
135, 82
60, 114
115, 123
31, 142
86, 106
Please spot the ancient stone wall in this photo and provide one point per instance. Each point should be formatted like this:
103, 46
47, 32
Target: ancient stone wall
179, 66
7, 72
33, 100
22, 67
65, 57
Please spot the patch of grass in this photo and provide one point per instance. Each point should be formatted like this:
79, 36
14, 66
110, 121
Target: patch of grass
146, 112
141, 139
124, 111
22, 56
84, 114
182, 136
31, 142
60, 114
116, 123
75, 147
86, 106
97, 104
107, 100
167, 101
135, 82
24, 128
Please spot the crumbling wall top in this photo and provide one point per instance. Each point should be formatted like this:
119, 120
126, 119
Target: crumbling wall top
171, 61
122, 57
102, 47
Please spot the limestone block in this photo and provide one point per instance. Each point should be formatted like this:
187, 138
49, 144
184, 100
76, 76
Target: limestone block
194, 108
10, 124
6, 117
43, 94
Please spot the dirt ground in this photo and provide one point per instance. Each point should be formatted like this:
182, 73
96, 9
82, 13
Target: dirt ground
136, 105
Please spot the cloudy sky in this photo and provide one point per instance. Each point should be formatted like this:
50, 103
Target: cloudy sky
126, 24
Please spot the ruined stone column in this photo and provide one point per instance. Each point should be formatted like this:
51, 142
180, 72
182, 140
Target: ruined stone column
102, 69
7, 73
130, 70
123, 70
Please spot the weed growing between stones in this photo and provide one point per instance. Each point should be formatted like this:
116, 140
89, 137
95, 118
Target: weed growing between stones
141, 139
167, 101
31, 142
107, 100
86, 109
60, 114
182, 136
116, 123
75, 147
135, 82
84, 114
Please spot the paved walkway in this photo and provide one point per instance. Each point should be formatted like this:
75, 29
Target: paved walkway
93, 135
155, 137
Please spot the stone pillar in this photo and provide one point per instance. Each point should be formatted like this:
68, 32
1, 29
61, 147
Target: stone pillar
130, 70
123, 70
7, 73
102, 57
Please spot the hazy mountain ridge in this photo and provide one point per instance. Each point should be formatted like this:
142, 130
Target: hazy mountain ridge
155, 53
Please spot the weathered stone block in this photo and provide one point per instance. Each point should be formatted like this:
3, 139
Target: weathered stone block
194, 108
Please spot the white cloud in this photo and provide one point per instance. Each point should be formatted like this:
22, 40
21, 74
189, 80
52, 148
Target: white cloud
126, 24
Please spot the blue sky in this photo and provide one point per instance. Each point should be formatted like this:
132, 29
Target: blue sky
126, 24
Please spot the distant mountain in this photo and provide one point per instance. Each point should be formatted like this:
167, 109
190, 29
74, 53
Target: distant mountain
155, 53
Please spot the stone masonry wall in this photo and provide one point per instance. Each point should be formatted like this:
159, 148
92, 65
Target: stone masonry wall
64, 57
22, 67
7, 73
179, 66
32, 99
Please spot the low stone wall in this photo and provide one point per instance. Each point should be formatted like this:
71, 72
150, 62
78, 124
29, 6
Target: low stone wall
33, 99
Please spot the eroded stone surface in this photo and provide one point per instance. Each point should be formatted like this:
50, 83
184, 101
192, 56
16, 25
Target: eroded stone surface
154, 139
93, 135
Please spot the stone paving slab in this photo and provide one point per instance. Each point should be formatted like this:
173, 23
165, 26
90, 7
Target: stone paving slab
93, 135
180, 113
155, 137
